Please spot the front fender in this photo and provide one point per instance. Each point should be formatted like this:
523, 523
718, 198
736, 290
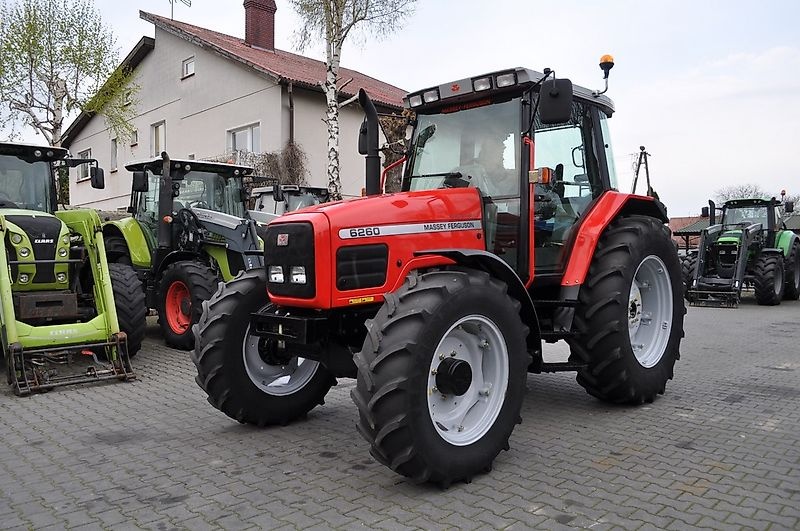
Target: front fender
131, 230
785, 240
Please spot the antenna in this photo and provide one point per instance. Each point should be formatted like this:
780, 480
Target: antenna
188, 3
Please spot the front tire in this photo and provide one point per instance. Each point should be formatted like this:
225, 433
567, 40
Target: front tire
130, 304
183, 288
769, 279
629, 322
444, 338
240, 381
688, 268
117, 250
792, 290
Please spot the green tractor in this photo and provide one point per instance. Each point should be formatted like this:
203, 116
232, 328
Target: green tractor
750, 247
189, 231
63, 306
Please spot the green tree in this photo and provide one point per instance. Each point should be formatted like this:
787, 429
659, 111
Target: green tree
333, 21
58, 58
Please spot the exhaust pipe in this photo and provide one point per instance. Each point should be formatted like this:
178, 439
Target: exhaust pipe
712, 213
368, 144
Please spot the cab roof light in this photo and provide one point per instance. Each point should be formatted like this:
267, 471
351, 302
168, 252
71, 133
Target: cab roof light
415, 100
430, 95
506, 80
480, 84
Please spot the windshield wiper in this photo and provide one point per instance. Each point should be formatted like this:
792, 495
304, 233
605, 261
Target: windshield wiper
446, 174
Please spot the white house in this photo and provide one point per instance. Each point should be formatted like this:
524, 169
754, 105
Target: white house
204, 93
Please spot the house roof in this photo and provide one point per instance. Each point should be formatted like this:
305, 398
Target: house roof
131, 61
693, 228
284, 66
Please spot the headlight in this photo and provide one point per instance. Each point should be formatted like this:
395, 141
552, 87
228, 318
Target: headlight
276, 274
415, 101
62, 252
16, 239
298, 275
24, 252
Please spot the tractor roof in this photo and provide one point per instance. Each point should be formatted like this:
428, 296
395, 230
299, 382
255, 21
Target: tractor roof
156, 165
32, 152
742, 203
463, 89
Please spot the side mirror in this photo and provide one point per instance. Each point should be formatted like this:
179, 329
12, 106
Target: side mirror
788, 207
97, 177
704, 212
140, 181
277, 193
362, 138
555, 101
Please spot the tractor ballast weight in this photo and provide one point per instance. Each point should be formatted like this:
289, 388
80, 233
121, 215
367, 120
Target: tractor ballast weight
749, 248
199, 234
508, 232
64, 307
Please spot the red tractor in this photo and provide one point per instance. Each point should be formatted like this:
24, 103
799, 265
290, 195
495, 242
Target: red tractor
509, 232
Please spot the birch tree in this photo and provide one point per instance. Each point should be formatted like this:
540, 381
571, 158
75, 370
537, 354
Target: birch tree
58, 58
333, 21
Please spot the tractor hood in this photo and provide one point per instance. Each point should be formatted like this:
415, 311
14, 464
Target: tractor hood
34, 235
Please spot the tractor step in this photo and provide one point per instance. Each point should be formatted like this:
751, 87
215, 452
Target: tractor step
32, 370
557, 366
556, 303
713, 299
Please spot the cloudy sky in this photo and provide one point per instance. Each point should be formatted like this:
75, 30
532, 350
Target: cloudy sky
710, 87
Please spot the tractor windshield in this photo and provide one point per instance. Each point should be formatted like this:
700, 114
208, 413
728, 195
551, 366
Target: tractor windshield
211, 191
746, 215
476, 147
24, 184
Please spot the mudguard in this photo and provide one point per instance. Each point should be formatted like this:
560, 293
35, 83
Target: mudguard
131, 230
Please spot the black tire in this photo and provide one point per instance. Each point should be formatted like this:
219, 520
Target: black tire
614, 373
394, 370
201, 282
769, 279
130, 304
792, 290
219, 358
117, 250
688, 268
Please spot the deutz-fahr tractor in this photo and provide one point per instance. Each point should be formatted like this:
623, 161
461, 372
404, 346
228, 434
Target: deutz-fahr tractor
189, 231
749, 247
63, 307
508, 232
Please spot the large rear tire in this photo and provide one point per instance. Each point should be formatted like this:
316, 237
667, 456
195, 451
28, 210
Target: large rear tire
130, 304
183, 288
441, 376
792, 290
769, 279
240, 379
629, 322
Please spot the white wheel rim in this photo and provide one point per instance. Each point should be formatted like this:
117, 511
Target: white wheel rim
650, 311
276, 380
778, 280
463, 420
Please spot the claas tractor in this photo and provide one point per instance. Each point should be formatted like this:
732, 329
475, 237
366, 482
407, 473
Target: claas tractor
508, 232
273, 201
750, 247
67, 315
190, 230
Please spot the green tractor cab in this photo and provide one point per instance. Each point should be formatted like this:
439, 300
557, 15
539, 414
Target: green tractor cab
749, 248
63, 307
189, 231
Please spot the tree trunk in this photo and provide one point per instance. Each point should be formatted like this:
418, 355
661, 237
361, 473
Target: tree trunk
332, 120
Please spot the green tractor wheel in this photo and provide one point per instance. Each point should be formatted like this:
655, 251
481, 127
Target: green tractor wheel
182, 290
792, 290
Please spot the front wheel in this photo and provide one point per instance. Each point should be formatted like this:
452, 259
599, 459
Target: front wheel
629, 320
183, 288
688, 268
240, 372
130, 304
769, 279
441, 376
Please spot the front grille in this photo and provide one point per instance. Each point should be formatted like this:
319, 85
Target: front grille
45, 230
361, 266
298, 251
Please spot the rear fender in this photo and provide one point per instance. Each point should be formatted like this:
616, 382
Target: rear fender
490, 263
785, 240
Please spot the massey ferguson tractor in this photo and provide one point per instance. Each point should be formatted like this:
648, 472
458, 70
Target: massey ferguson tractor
67, 315
509, 231
189, 231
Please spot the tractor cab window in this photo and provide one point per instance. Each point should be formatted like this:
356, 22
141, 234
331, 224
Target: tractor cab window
567, 150
746, 215
24, 184
211, 191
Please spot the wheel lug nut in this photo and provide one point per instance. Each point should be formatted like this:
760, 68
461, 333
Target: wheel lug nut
453, 354
434, 372
461, 428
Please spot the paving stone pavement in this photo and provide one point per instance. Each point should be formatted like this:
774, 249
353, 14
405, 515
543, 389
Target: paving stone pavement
719, 450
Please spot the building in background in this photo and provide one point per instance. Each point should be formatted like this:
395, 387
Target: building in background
203, 94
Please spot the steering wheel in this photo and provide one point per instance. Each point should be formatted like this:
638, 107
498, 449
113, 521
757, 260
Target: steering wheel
472, 174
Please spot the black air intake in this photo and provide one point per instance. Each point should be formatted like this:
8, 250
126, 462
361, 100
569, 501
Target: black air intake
361, 266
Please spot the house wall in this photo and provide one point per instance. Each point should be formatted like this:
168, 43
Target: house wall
199, 110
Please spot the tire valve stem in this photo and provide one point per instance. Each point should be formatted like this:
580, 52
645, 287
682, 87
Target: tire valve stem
484, 392
460, 428
484, 343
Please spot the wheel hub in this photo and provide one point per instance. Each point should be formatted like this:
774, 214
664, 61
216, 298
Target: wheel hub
635, 308
453, 377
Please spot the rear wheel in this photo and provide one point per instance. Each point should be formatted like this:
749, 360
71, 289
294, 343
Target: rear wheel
792, 290
769, 279
130, 304
441, 376
236, 369
629, 321
183, 288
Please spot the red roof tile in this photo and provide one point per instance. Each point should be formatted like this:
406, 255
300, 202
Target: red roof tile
285, 66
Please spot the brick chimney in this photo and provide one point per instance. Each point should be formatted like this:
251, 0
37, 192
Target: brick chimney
259, 23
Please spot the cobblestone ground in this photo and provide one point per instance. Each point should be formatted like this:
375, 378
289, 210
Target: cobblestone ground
719, 450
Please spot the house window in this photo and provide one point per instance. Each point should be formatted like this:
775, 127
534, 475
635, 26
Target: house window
113, 154
134, 137
158, 138
83, 169
247, 138
187, 68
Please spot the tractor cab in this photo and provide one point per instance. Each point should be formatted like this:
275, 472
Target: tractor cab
273, 201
